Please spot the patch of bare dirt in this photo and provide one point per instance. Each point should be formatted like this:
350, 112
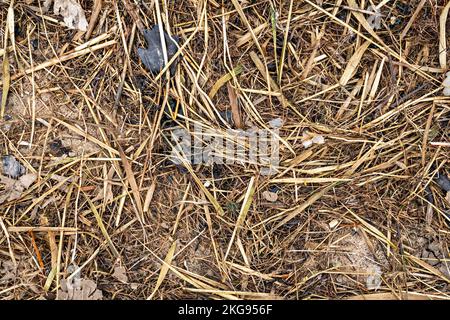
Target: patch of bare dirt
358, 260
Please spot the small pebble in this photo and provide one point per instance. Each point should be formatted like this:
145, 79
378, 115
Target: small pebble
270, 196
333, 223
309, 139
276, 123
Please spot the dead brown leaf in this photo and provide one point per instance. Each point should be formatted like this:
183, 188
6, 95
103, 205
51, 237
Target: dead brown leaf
71, 11
120, 273
79, 289
14, 188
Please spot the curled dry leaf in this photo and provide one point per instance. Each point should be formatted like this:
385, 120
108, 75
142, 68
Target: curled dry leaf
14, 188
71, 11
152, 57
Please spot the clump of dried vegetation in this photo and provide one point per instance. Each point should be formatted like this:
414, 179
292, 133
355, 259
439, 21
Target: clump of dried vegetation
360, 215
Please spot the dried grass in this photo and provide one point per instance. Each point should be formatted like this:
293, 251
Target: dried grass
208, 231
